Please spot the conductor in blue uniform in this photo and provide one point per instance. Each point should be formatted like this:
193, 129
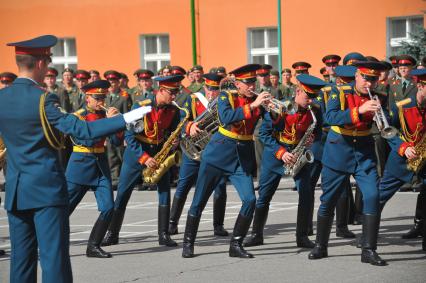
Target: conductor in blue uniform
36, 191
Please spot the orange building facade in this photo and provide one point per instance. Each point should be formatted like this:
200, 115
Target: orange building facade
127, 35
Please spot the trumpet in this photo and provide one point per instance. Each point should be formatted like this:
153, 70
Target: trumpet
277, 106
386, 131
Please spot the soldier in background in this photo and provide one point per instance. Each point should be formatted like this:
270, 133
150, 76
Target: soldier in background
124, 82
94, 76
144, 86
77, 98
120, 100
50, 80
221, 71
6, 79
331, 62
324, 74
288, 86
198, 83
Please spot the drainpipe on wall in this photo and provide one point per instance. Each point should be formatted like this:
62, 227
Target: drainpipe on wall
279, 40
194, 34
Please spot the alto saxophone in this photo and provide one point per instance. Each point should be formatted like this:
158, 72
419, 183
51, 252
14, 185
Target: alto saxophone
300, 152
416, 164
164, 159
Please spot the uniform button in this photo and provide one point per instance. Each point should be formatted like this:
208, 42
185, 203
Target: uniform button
354, 140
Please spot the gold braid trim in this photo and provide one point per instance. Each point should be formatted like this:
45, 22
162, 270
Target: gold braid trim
55, 142
407, 136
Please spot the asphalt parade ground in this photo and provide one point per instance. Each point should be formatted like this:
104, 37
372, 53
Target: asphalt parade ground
139, 258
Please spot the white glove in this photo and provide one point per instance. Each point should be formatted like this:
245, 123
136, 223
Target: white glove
136, 114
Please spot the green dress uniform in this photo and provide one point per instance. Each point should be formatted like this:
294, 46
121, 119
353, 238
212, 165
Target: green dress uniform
122, 102
196, 86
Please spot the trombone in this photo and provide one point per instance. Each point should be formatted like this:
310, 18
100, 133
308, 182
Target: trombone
386, 131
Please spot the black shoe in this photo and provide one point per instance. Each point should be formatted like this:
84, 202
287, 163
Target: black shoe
163, 226
358, 219
323, 234
343, 232
302, 226
240, 230
175, 213
370, 231
405, 188
95, 239
220, 231
165, 240
342, 218
259, 221
111, 238
2, 252
415, 231
96, 251
371, 257
191, 229
304, 242
254, 240
219, 207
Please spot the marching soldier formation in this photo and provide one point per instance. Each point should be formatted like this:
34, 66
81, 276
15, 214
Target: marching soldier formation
365, 118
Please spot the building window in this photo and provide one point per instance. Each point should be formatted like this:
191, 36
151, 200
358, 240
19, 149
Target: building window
64, 54
263, 46
155, 51
399, 30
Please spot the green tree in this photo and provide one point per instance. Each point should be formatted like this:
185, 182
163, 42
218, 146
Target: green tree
416, 47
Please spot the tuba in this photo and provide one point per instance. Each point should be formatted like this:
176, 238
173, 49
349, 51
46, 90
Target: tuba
300, 152
208, 122
164, 159
2, 153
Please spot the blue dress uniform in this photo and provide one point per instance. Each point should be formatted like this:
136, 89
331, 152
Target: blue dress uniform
36, 191
411, 119
88, 169
349, 150
344, 75
229, 153
279, 135
189, 168
140, 146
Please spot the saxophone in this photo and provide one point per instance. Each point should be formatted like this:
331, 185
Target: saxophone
2, 153
417, 163
300, 152
164, 159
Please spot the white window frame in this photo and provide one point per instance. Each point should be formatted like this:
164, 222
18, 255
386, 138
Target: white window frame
66, 59
396, 41
157, 57
261, 51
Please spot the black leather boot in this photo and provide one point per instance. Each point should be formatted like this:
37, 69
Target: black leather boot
175, 213
191, 229
259, 221
370, 231
240, 231
111, 238
219, 206
302, 239
415, 231
342, 215
311, 216
323, 234
358, 207
95, 239
163, 226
